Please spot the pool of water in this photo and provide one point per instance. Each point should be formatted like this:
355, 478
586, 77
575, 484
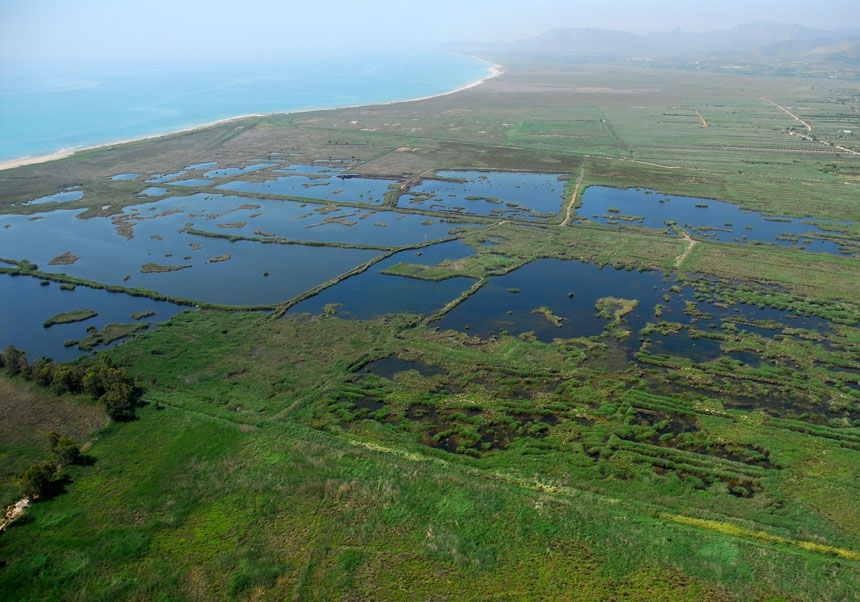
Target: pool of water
59, 197
371, 293
125, 176
489, 193
730, 223
548, 283
331, 188
160, 178
235, 171
311, 168
699, 349
297, 221
153, 191
292, 268
31, 304
389, 366
507, 303
192, 182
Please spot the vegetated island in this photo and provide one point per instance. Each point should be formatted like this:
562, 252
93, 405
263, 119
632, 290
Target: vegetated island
66, 258
155, 268
78, 315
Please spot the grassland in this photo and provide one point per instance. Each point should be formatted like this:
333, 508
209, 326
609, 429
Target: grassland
271, 459
28, 413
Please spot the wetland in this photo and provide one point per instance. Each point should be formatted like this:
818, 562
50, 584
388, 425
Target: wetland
395, 322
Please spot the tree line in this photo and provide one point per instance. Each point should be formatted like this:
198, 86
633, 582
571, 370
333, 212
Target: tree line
103, 381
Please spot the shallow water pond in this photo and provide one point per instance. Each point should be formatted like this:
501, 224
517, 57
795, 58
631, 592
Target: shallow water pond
153, 191
490, 193
713, 219
59, 197
548, 283
372, 293
104, 256
235, 171
160, 178
29, 304
307, 168
330, 188
389, 366
197, 182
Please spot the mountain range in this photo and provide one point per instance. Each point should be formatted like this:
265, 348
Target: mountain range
760, 41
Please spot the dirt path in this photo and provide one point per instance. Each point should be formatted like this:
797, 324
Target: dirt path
704, 123
572, 202
808, 127
654, 164
692, 243
13, 512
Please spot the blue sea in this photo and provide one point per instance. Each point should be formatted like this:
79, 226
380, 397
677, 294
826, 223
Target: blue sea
45, 110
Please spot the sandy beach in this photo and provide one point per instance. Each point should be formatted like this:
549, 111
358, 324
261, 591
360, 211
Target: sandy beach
495, 71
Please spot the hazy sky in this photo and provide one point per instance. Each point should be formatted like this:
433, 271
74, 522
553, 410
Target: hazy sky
144, 30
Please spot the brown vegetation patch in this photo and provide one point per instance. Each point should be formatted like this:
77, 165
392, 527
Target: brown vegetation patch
66, 258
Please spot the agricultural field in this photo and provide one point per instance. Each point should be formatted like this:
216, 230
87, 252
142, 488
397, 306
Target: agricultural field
581, 332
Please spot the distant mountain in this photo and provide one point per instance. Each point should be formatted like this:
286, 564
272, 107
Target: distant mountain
760, 40
846, 50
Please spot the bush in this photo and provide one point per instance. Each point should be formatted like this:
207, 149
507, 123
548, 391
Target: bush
14, 360
117, 400
38, 480
64, 449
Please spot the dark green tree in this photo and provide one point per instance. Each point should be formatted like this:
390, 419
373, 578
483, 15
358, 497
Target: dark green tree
117, 400
64, 449
38, 480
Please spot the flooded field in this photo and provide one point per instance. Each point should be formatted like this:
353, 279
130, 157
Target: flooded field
373, 293
209, 247
320, 185
493, 194
65, 196
569, 289
160, 257
32, 303
708, 218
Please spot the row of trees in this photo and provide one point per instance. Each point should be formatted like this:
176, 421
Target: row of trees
103, 381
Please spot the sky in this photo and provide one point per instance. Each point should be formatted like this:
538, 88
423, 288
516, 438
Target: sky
194, 30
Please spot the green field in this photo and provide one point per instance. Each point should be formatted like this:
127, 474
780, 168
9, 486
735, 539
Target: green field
276, 455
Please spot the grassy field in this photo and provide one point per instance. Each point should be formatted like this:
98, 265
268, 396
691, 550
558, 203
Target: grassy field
277, 455
256, 480
29, 412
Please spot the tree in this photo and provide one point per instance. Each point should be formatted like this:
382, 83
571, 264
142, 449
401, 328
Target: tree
67, 379
98, 379
38, 479
117, 400
41, 371
63, 448
14, 360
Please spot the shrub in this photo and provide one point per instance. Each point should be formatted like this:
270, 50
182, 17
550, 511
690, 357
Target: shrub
64, 449
38, 480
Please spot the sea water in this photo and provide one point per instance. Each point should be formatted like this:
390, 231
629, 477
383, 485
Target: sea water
45, 110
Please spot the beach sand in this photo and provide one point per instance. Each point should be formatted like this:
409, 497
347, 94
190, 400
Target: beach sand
495, 71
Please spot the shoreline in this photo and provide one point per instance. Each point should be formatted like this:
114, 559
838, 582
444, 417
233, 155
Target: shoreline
495, 71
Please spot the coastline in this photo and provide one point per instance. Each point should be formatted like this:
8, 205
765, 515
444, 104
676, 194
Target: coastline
495, 71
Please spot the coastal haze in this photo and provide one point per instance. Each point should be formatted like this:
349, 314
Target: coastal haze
467, 301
